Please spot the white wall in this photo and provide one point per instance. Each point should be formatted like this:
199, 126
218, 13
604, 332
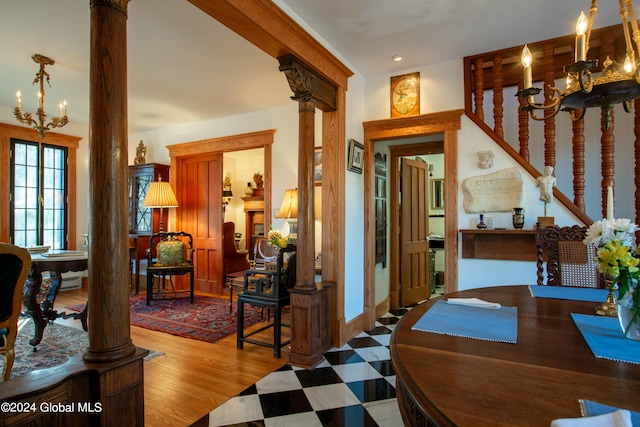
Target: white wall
354, 205
441, 89
285, 145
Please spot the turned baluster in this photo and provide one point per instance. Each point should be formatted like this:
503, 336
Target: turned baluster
479, 88
607, 139
549, 124
497, 95
578, 164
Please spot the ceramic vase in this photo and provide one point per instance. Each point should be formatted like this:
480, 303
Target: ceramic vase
518, 218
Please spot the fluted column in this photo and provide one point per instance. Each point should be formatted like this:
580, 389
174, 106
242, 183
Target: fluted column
109, 337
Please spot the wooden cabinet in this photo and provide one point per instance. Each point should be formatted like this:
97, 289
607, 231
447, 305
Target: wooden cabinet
254, 220
143, 222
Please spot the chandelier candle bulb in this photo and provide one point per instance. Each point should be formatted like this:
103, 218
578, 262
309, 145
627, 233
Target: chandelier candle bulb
526, 63
581, 38
18, 99
609, 203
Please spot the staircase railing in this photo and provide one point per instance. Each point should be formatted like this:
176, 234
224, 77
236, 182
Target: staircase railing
493, 78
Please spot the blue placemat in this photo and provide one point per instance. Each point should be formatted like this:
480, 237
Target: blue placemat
571, 293
470, 322
605, 338
590, 409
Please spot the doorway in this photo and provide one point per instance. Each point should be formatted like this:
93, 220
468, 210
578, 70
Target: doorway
184, 154
447, 124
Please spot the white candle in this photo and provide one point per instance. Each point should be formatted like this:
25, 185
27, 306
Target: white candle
61, 114
18, 99
609, 203
581, 38
64, 108
526, 60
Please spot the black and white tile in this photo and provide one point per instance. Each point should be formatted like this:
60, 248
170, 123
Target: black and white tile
354, 386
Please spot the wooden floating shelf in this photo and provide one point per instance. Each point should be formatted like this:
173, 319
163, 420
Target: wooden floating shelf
512, 245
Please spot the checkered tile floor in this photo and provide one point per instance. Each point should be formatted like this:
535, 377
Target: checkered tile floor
354, 386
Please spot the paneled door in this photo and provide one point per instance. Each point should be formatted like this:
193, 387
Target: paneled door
200, 196
414, 229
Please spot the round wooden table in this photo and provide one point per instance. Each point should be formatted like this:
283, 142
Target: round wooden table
444, 380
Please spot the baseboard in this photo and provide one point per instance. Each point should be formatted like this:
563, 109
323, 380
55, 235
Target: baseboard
383, 307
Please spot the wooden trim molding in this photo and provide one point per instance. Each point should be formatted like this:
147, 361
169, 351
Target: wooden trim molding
448, 123
239, 142
7, 132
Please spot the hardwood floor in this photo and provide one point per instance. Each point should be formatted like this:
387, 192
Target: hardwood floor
192, 377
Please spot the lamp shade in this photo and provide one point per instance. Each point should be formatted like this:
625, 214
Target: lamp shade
160, 195
289, 206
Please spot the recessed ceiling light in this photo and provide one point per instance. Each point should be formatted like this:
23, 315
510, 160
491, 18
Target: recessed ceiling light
397, 58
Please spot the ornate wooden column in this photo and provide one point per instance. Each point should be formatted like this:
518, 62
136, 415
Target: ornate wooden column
118, 386
310, 325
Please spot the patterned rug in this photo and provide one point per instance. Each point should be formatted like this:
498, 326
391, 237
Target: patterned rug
207, 319
59, 343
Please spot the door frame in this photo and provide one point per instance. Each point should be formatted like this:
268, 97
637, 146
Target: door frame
395, 153
239, 142
447, 123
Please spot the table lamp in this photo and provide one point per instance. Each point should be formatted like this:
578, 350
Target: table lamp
289, 211
160, 195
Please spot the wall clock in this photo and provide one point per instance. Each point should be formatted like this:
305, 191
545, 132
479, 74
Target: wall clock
405, 95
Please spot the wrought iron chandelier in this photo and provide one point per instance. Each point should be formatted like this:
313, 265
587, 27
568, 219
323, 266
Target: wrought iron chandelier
614, 85
39, 125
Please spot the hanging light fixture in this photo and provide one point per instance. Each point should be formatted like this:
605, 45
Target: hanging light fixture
614, 85
39, 125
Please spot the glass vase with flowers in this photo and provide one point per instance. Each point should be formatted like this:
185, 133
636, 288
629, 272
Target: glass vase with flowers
618, 257
275, 239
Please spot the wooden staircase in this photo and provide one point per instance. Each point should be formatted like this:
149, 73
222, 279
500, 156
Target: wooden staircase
574, 149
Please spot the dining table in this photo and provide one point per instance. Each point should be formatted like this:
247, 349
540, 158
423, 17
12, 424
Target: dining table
451, 380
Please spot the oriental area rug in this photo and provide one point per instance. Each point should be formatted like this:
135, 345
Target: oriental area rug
59, 343
207, 319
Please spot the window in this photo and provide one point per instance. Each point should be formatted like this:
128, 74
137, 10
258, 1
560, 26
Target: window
38, 194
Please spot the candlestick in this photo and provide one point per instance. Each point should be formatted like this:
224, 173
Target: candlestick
609, 203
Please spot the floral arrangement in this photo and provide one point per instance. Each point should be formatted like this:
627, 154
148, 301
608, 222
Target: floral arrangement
618, 257
276, 240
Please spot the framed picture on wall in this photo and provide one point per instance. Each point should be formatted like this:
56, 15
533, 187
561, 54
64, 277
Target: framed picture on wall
317, 165
356, 156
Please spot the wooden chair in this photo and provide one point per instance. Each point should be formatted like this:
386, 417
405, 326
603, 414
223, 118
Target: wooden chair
569, 262
264, 258
268, 289
15, 262
174, 258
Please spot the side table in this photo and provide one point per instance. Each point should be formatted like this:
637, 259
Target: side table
42, 312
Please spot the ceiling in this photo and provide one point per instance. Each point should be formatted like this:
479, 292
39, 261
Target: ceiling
184, 67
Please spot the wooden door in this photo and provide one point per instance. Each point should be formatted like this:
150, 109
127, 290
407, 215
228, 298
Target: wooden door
200, 214
414, 229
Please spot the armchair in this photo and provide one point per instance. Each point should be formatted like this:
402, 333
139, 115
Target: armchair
174, 257
234, 260
268, 289
16, 263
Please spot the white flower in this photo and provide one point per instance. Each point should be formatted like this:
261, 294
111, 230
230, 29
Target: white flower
605, 231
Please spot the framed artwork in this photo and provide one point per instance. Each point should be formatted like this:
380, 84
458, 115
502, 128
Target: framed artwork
405, 95
437, 194
356, 156
317, 165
